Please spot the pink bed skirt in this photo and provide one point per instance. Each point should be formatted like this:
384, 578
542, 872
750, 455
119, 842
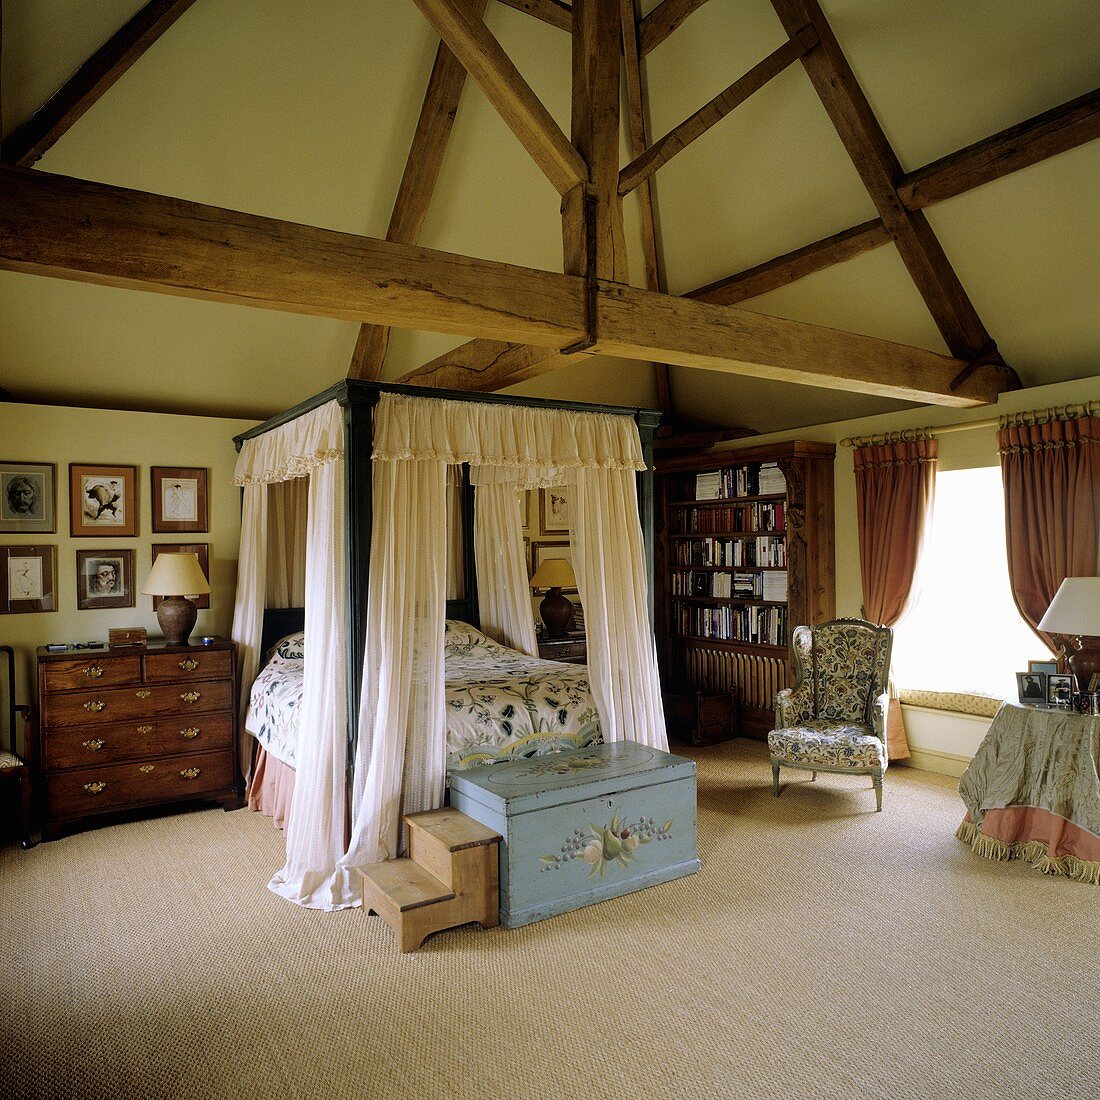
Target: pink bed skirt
1049, 842
271, 790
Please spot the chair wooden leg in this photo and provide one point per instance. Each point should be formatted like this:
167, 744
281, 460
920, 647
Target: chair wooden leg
813, 777
775, 779
876, 778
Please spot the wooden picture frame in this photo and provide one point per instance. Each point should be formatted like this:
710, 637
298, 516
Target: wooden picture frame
554, 515
28, 498
28, 579
104, 578
201, 550
102, 501
527, 495
179, 495
540, 551
1047, 667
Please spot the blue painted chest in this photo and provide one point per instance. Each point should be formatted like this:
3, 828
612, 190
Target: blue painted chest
583, 825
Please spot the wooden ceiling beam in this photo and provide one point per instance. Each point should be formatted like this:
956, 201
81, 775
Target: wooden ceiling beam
483, 366
680, 137
555, 12
663, 20
1019, 146
93, 232
485, 60
878, 167
414, 194
28, 142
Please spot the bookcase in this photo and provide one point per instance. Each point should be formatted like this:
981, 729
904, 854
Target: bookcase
744, 553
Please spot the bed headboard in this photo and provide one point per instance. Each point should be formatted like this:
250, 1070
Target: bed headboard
278, 622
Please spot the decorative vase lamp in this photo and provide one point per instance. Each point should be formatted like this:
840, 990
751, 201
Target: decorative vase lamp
1075, 611
175, 577
556, 610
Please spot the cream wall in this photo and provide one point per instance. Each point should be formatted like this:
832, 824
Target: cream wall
43, 433
940, 742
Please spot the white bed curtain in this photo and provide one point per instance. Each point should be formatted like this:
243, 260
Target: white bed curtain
503, 592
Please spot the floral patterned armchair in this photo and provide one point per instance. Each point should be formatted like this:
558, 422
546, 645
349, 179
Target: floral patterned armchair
834, 718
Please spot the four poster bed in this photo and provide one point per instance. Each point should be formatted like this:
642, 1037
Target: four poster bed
394, 516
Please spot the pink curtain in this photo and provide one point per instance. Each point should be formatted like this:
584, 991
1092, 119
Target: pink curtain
895, 491
1051, 474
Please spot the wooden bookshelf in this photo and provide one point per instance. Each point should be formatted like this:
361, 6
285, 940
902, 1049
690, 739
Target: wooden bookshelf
720, 632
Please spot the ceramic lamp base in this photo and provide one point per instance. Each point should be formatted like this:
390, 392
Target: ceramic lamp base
176, 615
557, 613
1084, 662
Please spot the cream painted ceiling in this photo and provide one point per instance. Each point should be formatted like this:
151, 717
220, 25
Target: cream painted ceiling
304, 111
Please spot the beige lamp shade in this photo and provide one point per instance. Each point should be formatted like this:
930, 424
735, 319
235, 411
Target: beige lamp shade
554, 573
175, 575
1075, 608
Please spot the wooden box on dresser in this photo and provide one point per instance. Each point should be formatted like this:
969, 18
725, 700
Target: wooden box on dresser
745, 532
125, 728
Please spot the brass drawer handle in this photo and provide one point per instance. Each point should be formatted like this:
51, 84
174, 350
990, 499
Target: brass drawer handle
189, 665
147, 768
95, 706
190, 773
143, 694
191, 696
94, 788
94, 745
93, 672
145, 729
190, 733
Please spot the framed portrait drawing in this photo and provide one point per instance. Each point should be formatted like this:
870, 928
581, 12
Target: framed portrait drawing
28, 498
179, 499
1032, 688
102, 501
554, 510
28, 579
201, 550
104, 578
540, 551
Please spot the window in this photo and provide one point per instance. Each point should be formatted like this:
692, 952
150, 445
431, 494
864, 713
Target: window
964, 632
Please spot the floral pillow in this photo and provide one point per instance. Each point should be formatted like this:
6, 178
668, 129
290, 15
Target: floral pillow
292, 647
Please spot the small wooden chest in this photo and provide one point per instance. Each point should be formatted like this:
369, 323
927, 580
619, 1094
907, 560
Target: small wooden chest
583, 825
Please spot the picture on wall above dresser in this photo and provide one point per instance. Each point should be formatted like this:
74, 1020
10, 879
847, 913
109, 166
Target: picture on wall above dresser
179, 498
104, 578
28, 498
28, 579
102, 501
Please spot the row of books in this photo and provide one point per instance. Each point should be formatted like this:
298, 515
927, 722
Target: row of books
755, 479
746, 586
758, 625
763, 550
761, 516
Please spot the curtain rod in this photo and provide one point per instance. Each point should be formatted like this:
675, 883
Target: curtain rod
910, 434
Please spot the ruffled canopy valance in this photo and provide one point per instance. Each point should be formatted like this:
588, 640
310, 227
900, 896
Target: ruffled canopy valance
293, 449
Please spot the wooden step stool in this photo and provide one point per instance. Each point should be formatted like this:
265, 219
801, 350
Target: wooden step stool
450, 877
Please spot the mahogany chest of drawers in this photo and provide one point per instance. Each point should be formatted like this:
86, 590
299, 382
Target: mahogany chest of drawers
124, 728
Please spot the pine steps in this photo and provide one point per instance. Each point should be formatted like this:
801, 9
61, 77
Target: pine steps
450, 877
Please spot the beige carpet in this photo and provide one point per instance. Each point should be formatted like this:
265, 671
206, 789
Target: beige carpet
823, 951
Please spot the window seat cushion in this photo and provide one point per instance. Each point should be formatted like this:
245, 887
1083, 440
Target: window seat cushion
961, 702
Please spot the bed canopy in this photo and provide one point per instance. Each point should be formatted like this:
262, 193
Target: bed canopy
376, 460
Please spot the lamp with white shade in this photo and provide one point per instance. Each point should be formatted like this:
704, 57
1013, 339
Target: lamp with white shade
175, 577
556, 610
1075, 611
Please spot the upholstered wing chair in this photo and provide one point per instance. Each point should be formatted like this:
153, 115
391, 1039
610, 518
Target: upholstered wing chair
834, 718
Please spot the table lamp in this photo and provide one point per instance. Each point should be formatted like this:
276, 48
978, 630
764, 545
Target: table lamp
1075, 611
175, 577
556, 610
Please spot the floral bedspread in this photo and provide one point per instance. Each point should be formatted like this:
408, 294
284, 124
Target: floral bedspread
501, 704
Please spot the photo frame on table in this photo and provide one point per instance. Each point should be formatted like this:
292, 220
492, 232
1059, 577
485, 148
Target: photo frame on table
28, 498
102, 501
1060, 691
1047, 667
201, 550
104, 578
179, 495
540, 551
1032, 688
554, 515
28, 579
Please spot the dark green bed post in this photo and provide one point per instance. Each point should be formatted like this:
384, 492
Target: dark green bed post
647, 419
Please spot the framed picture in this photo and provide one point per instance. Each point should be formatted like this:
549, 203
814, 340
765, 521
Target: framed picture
28, 497
28, 579
102, 501
554, 510
1048, 668
540, 551
179, 499
104, 578
1059, 690
201, 550
527, 495
1032, 688
527, 557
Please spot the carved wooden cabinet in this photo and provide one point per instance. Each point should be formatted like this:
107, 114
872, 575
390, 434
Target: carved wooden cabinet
125, 728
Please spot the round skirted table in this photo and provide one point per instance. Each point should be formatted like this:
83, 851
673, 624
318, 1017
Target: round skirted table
1032, 792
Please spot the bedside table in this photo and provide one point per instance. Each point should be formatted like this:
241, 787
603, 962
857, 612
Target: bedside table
572, 649
143, 726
